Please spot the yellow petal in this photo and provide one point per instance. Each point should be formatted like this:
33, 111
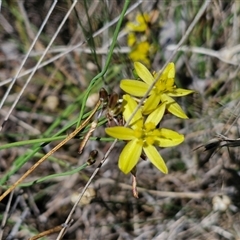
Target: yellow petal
173, 107
151, 103
134, 87
141, 23
130, 26
140, 53
143, 73
143, 47
156, 116
176, 110
155, 158
137, 56
168, 72
122, 133
143, 18
169, 84
129, 106
131, 39
179, 92
168, 138
130, 156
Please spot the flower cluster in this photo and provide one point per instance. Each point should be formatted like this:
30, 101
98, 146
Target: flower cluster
139, 41
142, 134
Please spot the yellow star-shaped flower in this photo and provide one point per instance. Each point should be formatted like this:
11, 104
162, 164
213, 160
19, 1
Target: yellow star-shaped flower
141, 23
140, 53
143, 136
163, 91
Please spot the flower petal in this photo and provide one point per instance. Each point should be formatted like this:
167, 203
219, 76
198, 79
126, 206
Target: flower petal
122, 133
129, 105
179, 92
168, 138
141, 23
156, 116
155, 158
130, 156
151, 103
143, 18
134, 87
173, 107
169, 84
143, 73
140, 53
168, 72
131, 39
176, 110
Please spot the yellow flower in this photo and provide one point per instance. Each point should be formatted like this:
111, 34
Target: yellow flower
142, 136
132, 39
163, 91
140, 53
141, 23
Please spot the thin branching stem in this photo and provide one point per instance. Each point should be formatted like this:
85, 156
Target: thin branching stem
21, 66
200, 13
70, 136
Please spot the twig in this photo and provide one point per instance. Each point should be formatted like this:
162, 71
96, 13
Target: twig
190, 195
6, 214
22, 64
18, 224
225, 55
84, 190
46, 233
103, 96
29, 171
68, 50
198, 16
37, 65
183, 39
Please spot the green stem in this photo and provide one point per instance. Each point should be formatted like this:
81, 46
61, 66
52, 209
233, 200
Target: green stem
109, 56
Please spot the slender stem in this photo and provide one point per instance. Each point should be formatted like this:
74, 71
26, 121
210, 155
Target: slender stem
30, 170
116, 32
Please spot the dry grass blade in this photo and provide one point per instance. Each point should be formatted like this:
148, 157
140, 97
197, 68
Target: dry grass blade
198, 16
197, 199
6, 214
20, 68
47, 233
70, 136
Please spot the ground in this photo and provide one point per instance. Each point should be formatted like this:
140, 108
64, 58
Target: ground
197, 199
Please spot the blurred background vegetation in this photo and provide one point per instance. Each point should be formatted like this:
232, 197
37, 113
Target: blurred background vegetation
198, 199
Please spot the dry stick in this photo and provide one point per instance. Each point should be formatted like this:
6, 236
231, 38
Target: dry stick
6, 215
37, 65
18, 223
87, 136
24, 60
190, 28
57, 67
73, 134
66, 224
103, 97
165, 194
71, 49
78, 129
20, 220
46, 233
40, 65
89, 133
